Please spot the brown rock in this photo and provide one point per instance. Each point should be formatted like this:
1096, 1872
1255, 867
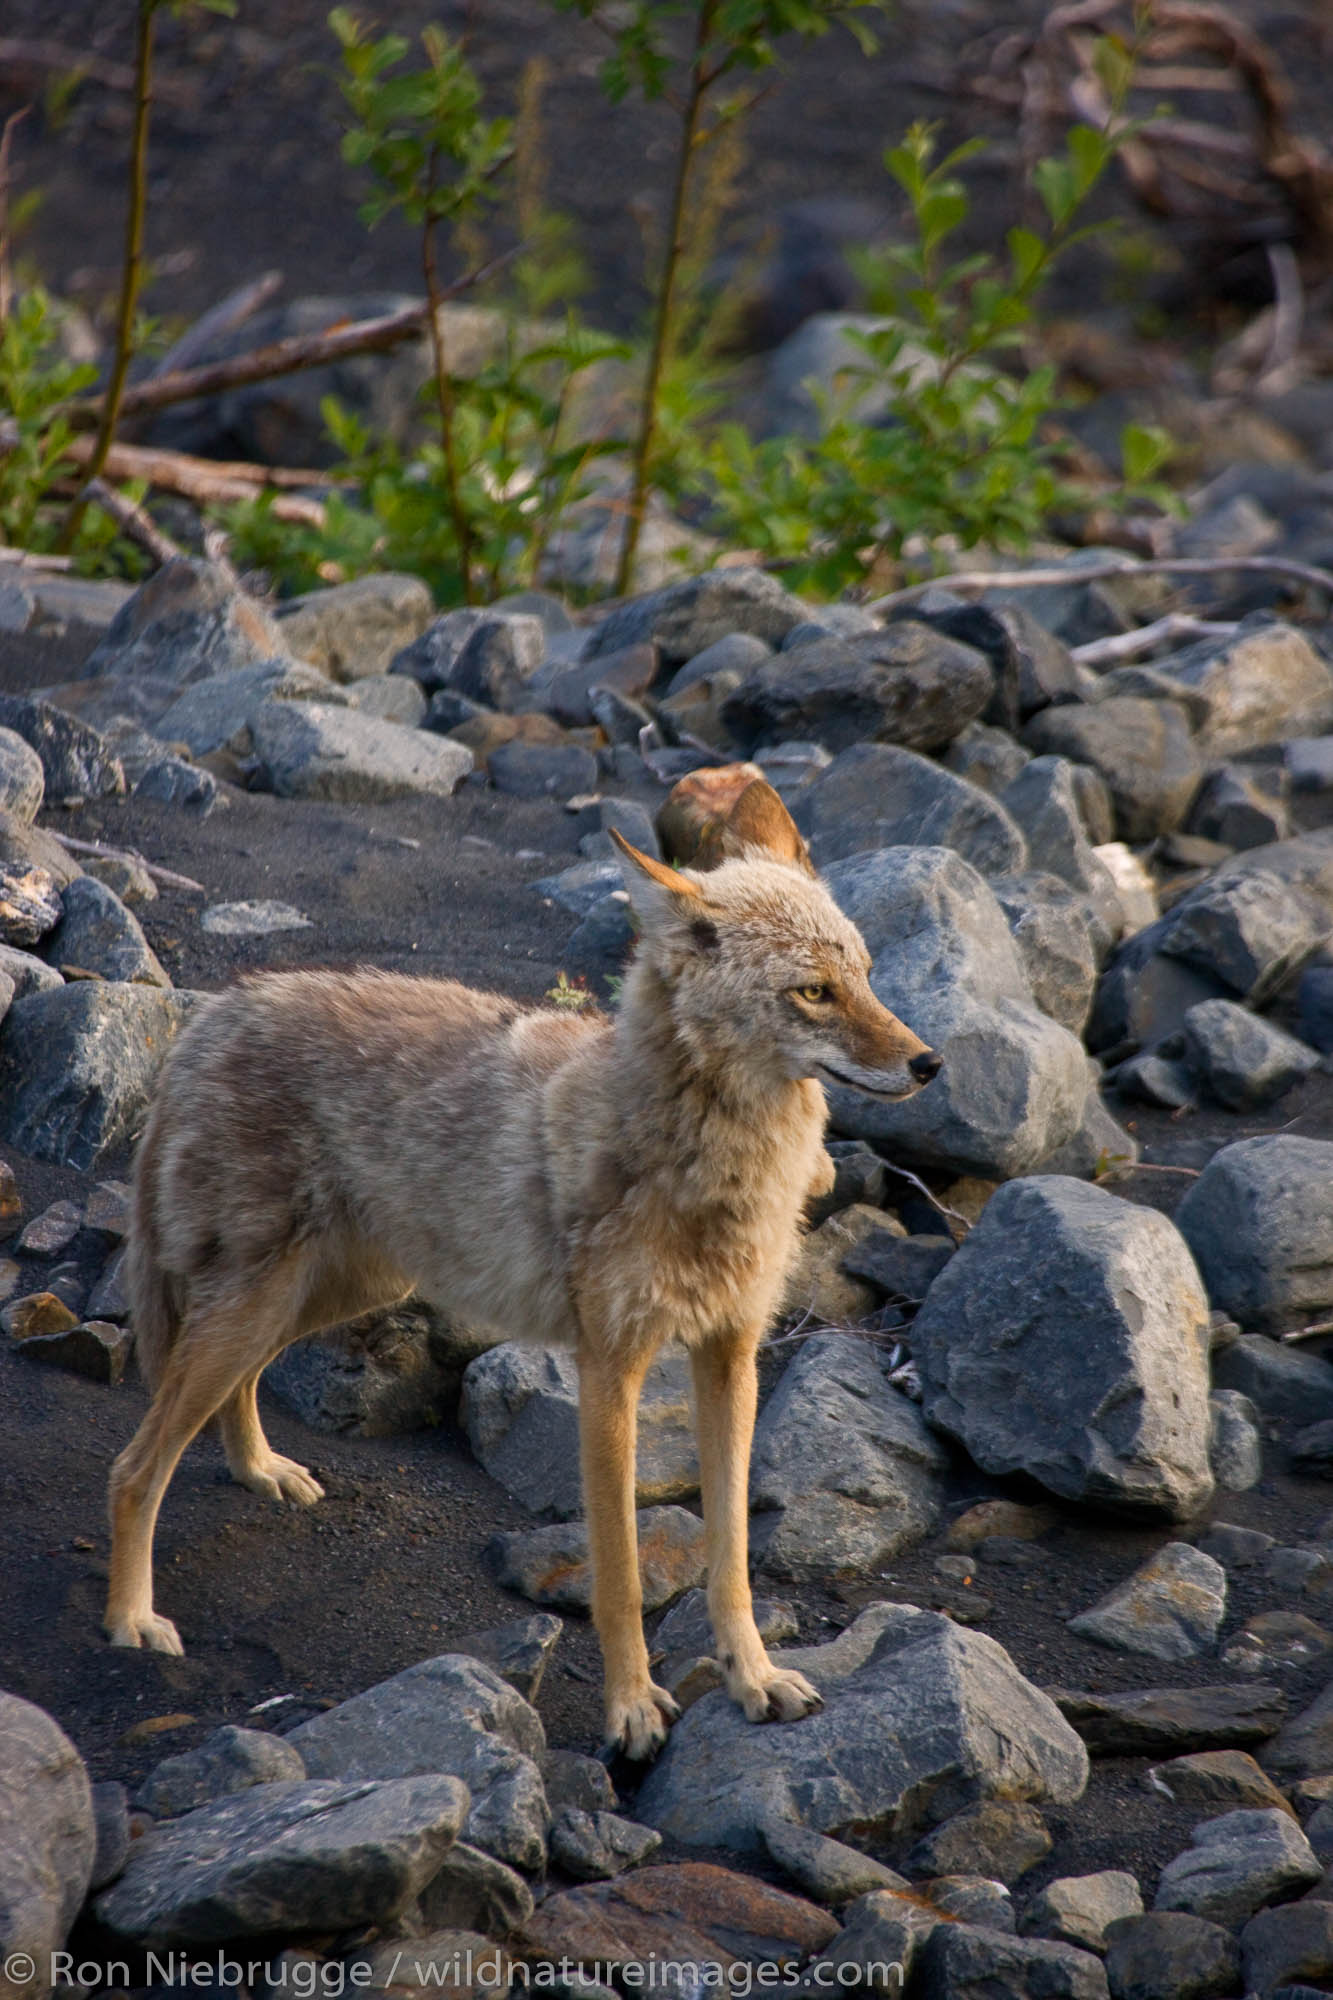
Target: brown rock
36, 1313
818, 1283
484, 733
1148, 1721
998, 1517
461, 1965
11, 1202
95, 1349
1219, 1780
30, 904
691, 1911
551, 1566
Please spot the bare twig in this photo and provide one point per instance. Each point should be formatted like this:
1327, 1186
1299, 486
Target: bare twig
209, 483
6, 280
27, 559
1131, 645
1288, 318
224, 317
167, 876
1103, 572
132, 521
1309, 1332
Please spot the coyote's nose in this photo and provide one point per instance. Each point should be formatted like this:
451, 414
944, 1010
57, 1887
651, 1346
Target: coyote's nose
926, 1065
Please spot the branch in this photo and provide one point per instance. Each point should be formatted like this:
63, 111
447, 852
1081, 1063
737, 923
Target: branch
1018, 579
1309, 1332
227, 314
1130, 645
167, 876
6, 280
132, 520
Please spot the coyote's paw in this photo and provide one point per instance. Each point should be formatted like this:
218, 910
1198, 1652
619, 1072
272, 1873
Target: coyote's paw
145, 1628
638, 1727
776, 1695
282, 1479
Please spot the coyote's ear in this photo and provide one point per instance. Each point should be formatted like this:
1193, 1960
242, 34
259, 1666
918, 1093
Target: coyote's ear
658, 893
759, 819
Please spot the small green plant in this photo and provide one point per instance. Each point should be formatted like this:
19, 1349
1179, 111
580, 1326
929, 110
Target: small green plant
932, 434
570, 994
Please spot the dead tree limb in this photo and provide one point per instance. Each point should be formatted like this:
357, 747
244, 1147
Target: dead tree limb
224, 317
132, 521
167, 876
1104, 572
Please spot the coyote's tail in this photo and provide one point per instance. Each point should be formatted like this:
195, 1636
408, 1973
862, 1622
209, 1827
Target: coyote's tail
153, 1295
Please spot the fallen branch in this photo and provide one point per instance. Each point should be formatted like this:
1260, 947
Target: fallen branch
224, 317
299, 351
167, 876
27, 559
1309, 1332
1103, 572
210, 482
1130, 645
132, 521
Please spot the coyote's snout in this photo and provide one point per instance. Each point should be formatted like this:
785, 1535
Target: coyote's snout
322, 1143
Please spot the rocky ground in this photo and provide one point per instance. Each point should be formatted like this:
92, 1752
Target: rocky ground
993, 1502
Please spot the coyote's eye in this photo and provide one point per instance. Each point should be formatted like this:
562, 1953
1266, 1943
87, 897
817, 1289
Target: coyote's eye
814, 994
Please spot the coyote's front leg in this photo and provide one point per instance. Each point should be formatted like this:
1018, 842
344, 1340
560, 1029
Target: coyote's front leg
726, 1395
638, 1713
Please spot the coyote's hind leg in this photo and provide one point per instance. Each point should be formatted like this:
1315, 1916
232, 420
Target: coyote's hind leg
251, 1459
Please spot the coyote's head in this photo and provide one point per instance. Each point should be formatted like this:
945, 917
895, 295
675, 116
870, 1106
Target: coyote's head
760, 969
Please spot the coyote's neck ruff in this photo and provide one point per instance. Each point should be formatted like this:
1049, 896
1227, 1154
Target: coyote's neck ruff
322, 1143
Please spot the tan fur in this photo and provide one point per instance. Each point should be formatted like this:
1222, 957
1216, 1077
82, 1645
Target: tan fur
322, 1142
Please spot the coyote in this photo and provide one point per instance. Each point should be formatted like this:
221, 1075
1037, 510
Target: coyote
323, 1142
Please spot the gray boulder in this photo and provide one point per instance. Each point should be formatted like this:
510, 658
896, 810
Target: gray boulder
186, 622
1264, 683
474, 1891
351, 631
454, 1715
682, 618
217, 713
26, 973
1043, 798
920, 1719
1033, 668
78, 1065
1289, 1946
286, 1858
391, 697
1235, 1444
1236, 1864
311, 751
431, 657
383, 1374
878, 795
1170, 1609
174, 781
1056, 1267
22, 778
30, 905
986, 756
1014, 1083
77, 762
98, 934
520, 1409
1236, 807
230, 1760
966, 1962
1259, 1223
1143, 750
1248, 928
1050, 925
904, 684
847, 1463
1169, 1955
48, 1842
1244, 1061
498, 658
592, 1847
1079, 1909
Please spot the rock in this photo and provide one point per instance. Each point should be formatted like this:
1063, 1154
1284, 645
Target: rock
1234, 807
98, 934
1049, 924
186, 622
1259, 1225
1043, 799
877, 795
1143, 750
520, 1409
29, 974
994, 1839
592, 1847
1149, 1079
551, 1566
1014, 1084
846, 1461
1217, 1778
683, 618
111, 1818
457, 1964
688, 1911
219, 713
30, 905
575, 1780
1303, 1748
24, 847
47, 1844
1312, 1450
1282, 1381
36, 1316
902, 1267
498, 657
1032, 667
129, 879
22, 777
921, 1718
283, 1858
353, 630
972, 1899
1079, 1909
542, 770
904, 684
1149, 1722
1236, 1864
1248, 928
95, 1349
453, 1715
1170, 1608
1244, 1061
1167, 1955
76, 762
567, 695
230, 1760
392, 1371
1314, 997
858, 1180
1130, 1429
312, 751
519, 1651
474, 1891
828, 1870
739, 653
1264, 683
173, 781
1144, 996
818, 1281
964, 1962
431, 657
78, 1066
391, 697
1235, 1548
986, 756
582, 886
598, 948
261, 918
878, 1947
1235, 1443
52, 1231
